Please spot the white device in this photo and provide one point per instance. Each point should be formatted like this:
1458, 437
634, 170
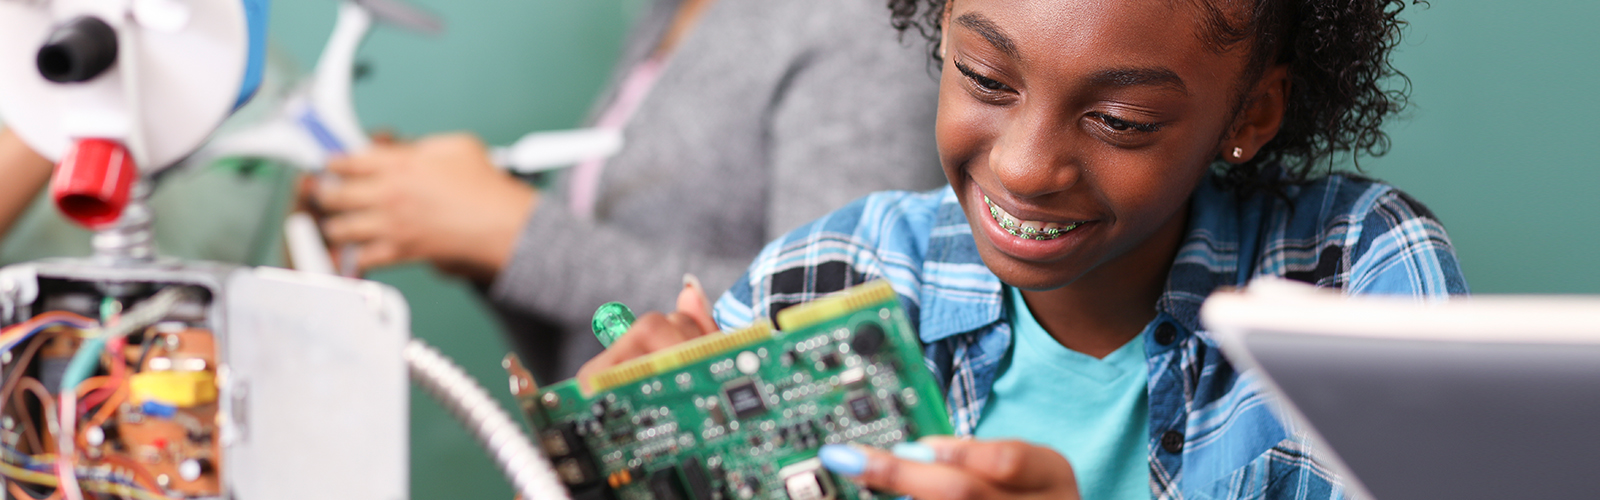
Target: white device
264, 383
1481, 397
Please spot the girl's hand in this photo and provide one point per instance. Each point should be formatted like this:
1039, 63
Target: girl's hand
655, 331
947, 468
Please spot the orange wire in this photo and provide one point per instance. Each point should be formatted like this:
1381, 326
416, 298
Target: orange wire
111, 405
17, 491
32, 385
27, 356
30, 324
10, 386
106, 409
90, 384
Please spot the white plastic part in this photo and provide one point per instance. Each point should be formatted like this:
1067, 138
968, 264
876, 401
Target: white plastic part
162, 15
278, 139
330, 86
541, 151
188, 78
1283, 306
307, 250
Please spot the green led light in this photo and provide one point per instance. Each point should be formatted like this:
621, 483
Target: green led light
611, 320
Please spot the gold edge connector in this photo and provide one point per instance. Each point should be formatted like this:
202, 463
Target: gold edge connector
835, 305
682, 354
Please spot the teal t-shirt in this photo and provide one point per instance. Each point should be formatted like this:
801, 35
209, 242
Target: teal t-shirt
1096, 412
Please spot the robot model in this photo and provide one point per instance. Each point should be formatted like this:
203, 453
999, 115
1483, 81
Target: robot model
130, 375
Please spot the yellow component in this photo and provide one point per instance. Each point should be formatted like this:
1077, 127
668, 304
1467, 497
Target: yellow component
835, 305
679, 355
182, 389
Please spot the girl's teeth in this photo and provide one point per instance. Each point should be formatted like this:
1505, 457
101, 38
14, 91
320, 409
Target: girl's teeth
1028, 230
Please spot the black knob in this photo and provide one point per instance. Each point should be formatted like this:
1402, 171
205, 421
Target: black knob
78, 51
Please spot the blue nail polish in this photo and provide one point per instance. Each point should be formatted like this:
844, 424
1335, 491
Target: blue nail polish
843, 459
915, 452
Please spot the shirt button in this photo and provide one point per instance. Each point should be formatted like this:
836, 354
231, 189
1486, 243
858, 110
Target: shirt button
1166, 333
1172, 441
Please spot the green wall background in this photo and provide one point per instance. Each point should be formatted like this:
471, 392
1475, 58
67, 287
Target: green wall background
1500, 142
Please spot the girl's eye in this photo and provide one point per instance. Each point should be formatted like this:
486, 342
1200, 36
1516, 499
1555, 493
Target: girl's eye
1121, 125
986, 83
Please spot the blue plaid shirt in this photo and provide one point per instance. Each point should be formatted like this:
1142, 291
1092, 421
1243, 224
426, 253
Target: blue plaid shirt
1213, 432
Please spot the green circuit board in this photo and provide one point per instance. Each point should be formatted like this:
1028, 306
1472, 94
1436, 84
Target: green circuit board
740, 416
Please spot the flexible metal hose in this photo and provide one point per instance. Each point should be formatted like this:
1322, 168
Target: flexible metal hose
527, 469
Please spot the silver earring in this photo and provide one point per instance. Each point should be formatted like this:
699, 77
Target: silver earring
1238, 153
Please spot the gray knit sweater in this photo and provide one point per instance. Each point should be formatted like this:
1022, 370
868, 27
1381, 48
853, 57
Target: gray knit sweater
770, 114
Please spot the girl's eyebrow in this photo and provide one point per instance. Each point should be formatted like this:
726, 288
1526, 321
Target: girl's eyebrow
1130, 77
1113, 77
989, 31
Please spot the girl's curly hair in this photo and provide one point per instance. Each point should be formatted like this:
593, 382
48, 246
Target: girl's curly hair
1338, 56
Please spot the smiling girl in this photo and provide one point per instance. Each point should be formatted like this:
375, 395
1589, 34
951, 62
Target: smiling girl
1111, 163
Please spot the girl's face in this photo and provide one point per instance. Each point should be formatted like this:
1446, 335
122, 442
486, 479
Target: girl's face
1074, 131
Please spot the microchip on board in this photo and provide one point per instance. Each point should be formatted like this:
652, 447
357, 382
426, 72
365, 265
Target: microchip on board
744, 399
862, 408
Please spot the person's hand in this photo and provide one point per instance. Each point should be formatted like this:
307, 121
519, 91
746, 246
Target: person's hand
655, 331
25, 174
948, 468
439, 199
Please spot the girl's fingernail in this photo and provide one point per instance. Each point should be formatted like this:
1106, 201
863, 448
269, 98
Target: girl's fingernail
843, 459
916, 452
689, 280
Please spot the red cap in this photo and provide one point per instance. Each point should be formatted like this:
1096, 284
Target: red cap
92, 182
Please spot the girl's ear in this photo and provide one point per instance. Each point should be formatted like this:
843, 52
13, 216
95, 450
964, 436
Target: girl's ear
1261, 117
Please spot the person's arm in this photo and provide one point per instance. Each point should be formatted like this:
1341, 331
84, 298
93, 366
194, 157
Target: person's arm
857, 117
24, 173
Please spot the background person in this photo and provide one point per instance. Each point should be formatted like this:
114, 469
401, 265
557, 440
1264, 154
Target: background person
742, 118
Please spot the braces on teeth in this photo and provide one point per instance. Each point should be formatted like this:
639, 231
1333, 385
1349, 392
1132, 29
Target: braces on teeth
1016, 228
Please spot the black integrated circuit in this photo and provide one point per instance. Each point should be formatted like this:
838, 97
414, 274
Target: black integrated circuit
862, 408
745, 399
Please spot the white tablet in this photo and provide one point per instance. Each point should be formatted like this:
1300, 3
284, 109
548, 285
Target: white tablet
1483, 397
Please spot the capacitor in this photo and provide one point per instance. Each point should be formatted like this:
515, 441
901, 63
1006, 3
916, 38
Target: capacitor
95, 436
191, 469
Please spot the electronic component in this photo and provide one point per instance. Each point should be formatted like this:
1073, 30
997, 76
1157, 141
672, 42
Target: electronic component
807, 481
740, 416
177, 388
868, 339
611, 320
862, 409
193, 404
745, 399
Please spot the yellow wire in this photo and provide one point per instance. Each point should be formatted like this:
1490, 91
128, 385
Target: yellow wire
22, 474
95, 485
